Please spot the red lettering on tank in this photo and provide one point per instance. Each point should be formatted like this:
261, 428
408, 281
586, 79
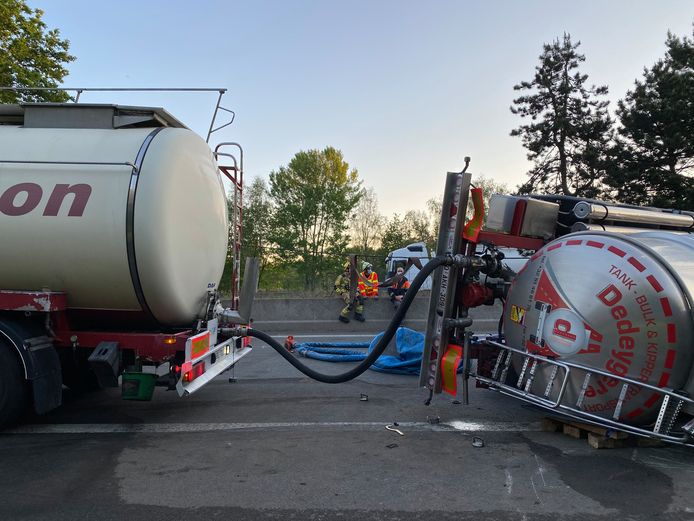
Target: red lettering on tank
594, 342
80, 193
620, 359
646, 311
622, 277
610, 295
9, 197
34, 193
562, 328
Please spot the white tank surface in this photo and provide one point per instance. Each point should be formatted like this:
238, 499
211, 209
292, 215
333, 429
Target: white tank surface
622, 304
121, 208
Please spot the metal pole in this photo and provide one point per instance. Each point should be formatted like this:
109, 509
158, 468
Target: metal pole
214, 116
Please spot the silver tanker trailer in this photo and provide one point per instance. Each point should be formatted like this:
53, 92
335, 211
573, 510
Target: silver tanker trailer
597, 326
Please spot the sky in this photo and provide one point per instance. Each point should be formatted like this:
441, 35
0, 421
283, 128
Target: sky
405, 89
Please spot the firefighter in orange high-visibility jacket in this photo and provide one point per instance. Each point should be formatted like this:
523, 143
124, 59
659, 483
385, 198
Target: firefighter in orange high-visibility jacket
368, 289
342, 286
398, 289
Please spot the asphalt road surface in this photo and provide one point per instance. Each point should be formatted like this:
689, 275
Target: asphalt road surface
274, 444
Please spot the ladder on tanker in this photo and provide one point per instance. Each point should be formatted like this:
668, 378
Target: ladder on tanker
234, 173
553, 394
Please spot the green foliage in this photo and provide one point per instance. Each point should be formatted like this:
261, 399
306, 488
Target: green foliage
569, 130
655, 153
396, 234
281, 276
314, 196
31, 55
257, 221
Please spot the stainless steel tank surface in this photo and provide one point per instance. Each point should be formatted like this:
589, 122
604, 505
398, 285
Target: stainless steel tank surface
618, 303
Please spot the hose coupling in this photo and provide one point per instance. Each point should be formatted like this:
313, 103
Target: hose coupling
241, 331
463, 261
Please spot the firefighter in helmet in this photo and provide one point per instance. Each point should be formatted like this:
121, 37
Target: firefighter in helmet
368, 289
342, 287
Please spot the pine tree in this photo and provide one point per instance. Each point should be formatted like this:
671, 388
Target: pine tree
655, 149
569, 132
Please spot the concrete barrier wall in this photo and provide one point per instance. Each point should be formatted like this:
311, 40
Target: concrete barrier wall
319, 315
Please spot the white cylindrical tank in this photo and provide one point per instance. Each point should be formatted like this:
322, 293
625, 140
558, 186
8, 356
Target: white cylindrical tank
124, 221
622, 304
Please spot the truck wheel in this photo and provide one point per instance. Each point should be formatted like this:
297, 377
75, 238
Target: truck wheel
13, 388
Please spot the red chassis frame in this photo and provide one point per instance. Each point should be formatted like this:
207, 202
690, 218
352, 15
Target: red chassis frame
155, 346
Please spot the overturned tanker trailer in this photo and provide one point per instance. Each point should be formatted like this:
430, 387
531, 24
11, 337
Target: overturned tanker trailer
114, 234
597, 326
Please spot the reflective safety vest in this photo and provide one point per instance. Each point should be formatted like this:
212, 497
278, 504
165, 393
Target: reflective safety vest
366, 290
400, 286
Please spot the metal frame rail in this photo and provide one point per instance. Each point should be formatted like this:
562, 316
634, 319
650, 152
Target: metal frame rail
663, 428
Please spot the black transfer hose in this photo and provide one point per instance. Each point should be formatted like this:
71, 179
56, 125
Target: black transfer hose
426, 270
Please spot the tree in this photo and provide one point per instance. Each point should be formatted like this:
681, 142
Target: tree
655, 149
570, 130
367, 223
313, 196
419, 226
31, 55
396, 234
257, 219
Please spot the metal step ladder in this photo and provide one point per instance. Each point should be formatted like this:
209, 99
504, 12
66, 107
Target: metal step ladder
234, 173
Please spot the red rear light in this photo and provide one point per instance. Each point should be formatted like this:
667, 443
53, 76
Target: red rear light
191, 375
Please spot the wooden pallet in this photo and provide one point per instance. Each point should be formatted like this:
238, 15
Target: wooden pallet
598, 437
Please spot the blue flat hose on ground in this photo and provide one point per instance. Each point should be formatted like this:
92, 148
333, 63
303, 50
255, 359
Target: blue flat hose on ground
388, 334
332, 355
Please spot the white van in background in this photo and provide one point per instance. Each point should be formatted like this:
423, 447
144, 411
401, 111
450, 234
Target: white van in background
513, 258
398, 259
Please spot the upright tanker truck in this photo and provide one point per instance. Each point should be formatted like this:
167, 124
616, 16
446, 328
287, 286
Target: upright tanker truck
114, 236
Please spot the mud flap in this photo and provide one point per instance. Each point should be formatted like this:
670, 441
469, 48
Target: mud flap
47, 381
40, 362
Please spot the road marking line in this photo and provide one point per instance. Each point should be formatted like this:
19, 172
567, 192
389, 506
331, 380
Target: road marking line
109, 428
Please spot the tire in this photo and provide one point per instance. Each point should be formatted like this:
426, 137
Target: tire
14, 392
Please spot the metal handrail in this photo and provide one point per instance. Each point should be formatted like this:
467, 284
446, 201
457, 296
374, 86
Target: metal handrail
81, 163
80, 90
572, 411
